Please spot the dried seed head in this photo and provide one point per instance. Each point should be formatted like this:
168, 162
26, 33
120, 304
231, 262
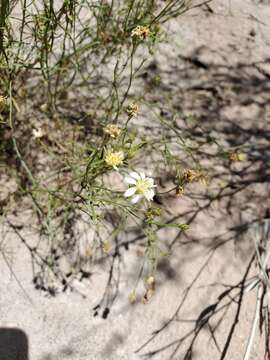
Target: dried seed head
112, 130
140, 31
133, 109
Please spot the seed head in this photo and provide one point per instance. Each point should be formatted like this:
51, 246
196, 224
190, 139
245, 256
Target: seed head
133, 109
112, 130
140, 31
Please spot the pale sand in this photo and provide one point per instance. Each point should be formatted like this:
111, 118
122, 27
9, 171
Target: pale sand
63, 327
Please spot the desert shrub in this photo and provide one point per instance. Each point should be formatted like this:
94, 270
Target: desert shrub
80, 134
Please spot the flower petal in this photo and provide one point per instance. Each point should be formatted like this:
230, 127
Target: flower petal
130, 180
135, 175
150, 182
149, 194
129, 192
142, 175
136, 198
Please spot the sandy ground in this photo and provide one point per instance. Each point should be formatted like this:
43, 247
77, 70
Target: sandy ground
216, 63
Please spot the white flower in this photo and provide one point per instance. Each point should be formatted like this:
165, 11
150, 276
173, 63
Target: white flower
37, 133
141, 187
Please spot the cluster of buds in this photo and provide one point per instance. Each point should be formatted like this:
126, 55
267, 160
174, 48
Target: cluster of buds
179, 190
234, 156
150, 288
140, 32
152, 213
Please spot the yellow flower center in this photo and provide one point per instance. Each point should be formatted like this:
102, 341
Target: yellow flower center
142, 186
114, 158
